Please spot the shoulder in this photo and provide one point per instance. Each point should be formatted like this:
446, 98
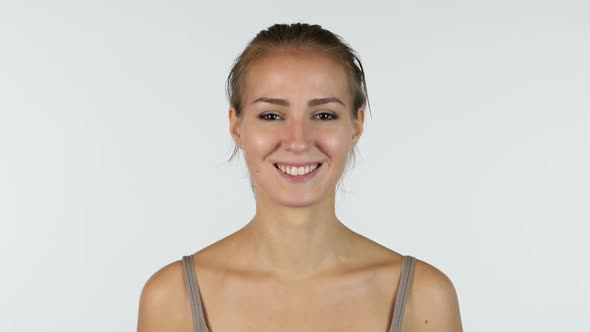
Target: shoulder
432, 304
163, 304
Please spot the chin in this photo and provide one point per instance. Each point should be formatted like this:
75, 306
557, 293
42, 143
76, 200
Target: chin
293, 199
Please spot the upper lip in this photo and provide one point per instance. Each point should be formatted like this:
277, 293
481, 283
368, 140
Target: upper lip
297, 164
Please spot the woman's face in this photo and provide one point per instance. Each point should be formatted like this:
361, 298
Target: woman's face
296, 128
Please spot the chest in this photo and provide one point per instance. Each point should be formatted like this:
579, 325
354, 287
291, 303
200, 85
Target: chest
338, 307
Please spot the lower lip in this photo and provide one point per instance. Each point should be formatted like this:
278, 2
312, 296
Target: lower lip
299, 178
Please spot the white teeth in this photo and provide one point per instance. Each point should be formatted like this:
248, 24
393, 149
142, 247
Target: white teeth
297, 171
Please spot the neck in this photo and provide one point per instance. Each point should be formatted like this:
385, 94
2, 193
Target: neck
295, 242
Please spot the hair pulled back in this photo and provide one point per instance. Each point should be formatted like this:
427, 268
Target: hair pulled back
298, 36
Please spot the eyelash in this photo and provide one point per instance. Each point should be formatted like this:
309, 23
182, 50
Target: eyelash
264, 116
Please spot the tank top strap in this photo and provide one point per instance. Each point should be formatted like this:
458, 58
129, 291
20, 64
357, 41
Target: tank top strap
403, 289
199, 324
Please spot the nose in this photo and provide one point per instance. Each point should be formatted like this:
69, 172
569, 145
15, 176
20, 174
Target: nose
297, 136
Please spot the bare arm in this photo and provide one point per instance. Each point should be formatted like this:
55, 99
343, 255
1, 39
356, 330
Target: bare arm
433, 304
162, 304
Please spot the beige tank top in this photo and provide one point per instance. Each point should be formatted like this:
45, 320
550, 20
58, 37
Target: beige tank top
200, 325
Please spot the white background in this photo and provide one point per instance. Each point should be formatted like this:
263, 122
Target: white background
114, 141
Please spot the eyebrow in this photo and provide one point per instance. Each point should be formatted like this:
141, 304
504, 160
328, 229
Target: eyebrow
313, 102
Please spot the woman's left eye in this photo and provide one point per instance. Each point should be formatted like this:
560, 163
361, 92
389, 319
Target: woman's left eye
326, 116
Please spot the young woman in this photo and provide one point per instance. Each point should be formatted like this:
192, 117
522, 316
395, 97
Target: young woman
297, 108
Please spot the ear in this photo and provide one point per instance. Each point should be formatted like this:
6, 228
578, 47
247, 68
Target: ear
234, 126
358, 125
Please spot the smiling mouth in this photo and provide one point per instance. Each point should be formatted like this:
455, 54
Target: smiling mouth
298, 170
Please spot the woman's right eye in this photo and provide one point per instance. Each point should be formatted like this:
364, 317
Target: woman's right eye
269, 116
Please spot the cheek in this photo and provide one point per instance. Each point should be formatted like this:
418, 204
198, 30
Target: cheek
256, 142
256, 146
337, 146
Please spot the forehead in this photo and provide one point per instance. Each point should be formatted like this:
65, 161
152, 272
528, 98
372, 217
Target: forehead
297, 74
